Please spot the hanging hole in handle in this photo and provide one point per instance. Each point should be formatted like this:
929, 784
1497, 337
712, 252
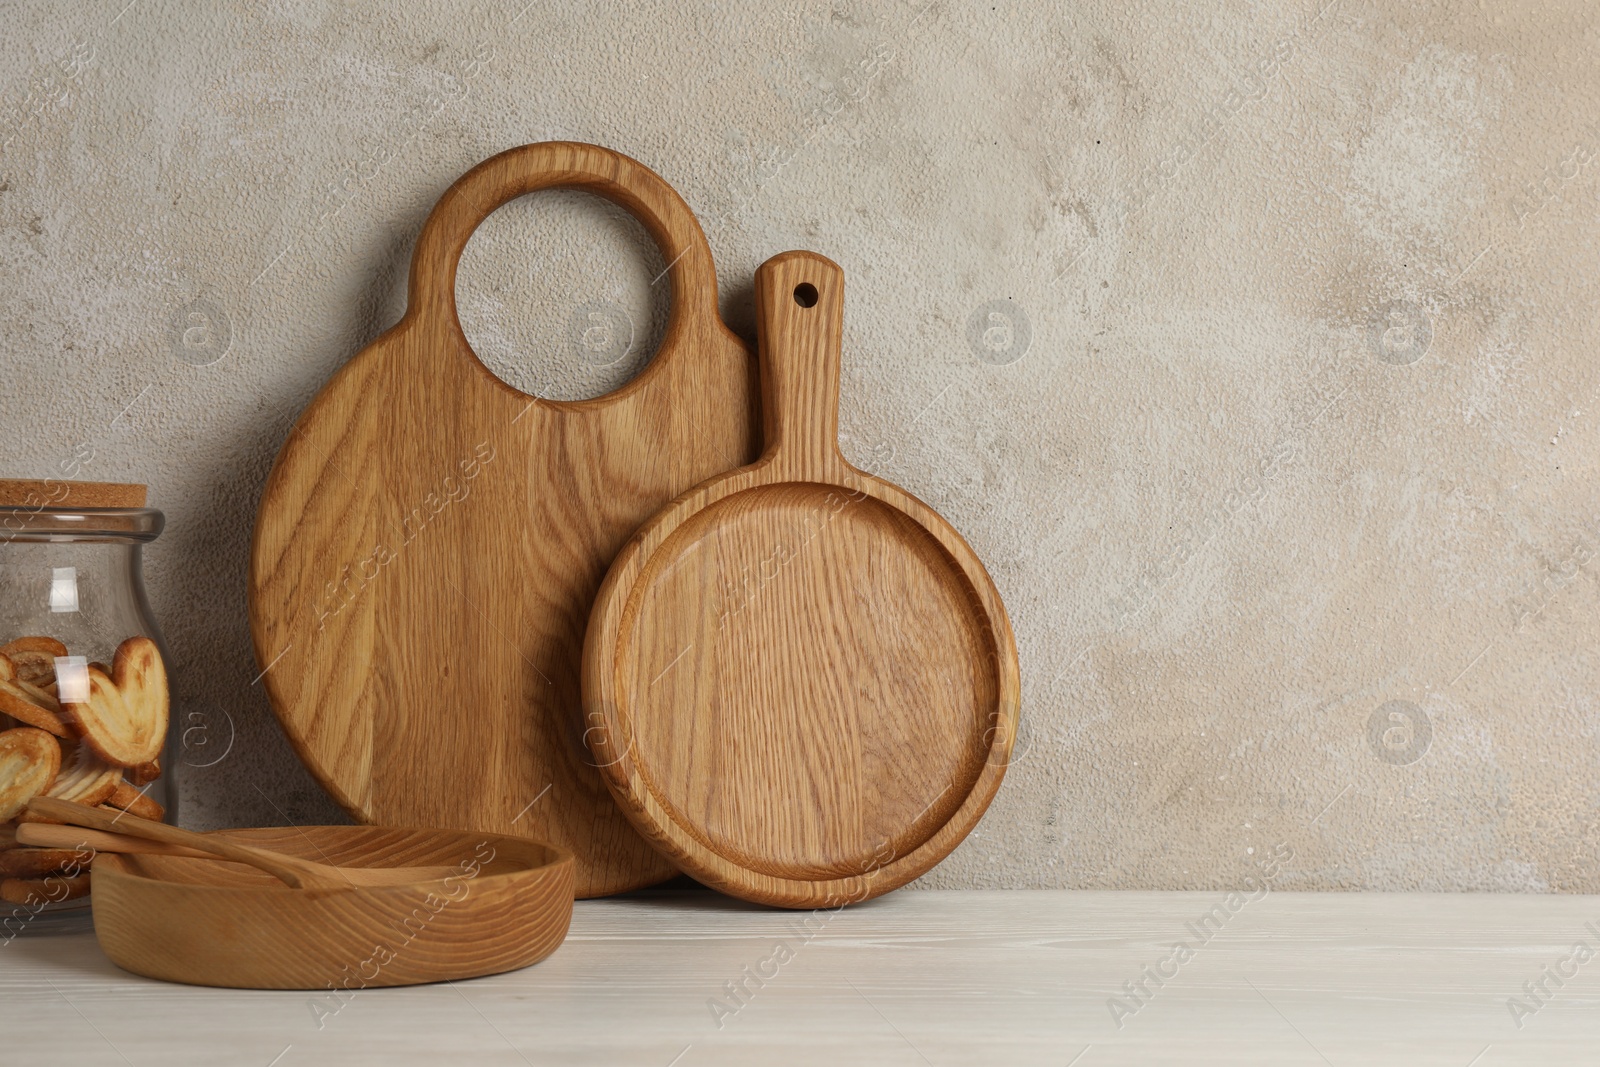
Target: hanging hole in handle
805, 294
563, 295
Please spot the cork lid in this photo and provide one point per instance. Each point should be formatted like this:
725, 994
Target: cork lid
58, 493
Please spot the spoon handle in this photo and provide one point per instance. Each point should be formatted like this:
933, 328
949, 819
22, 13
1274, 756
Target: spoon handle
49, 835
301, 874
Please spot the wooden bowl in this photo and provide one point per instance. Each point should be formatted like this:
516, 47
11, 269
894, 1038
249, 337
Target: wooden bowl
207, 922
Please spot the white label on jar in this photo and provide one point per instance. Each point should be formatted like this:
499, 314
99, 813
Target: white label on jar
72, 679
63, 589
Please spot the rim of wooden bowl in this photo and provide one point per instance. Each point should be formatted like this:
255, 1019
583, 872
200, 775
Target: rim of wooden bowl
128, 866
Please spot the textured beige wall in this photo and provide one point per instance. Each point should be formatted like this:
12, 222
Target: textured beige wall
1252, 346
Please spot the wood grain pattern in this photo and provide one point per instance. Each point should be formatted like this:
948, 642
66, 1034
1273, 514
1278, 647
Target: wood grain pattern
221, 924
806, 680
110, 829
59, 836
58, 493
430, 541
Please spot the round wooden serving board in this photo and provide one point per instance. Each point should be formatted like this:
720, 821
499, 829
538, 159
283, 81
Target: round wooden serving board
806, 683
430, 540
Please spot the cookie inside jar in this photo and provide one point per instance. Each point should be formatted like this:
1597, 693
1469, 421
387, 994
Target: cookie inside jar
85, 706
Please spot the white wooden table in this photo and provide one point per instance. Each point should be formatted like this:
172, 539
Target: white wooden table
916, 978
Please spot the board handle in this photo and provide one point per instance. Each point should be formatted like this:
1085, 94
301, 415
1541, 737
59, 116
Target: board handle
800, 327
562, 165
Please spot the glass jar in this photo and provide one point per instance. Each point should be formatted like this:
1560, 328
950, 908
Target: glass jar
84, 708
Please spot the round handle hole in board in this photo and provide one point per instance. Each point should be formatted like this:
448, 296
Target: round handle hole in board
563, 295
805, 294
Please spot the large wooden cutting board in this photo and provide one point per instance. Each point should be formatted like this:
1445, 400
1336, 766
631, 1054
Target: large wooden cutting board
430, 540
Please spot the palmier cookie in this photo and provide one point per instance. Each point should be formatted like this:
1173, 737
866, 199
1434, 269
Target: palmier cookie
133, 801
84, 777
38, 862
125, 718
27, 703
29, 760
34, 658
52, 889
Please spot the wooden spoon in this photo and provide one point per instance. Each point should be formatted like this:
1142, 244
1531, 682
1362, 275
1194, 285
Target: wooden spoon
51, 835
114, 828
